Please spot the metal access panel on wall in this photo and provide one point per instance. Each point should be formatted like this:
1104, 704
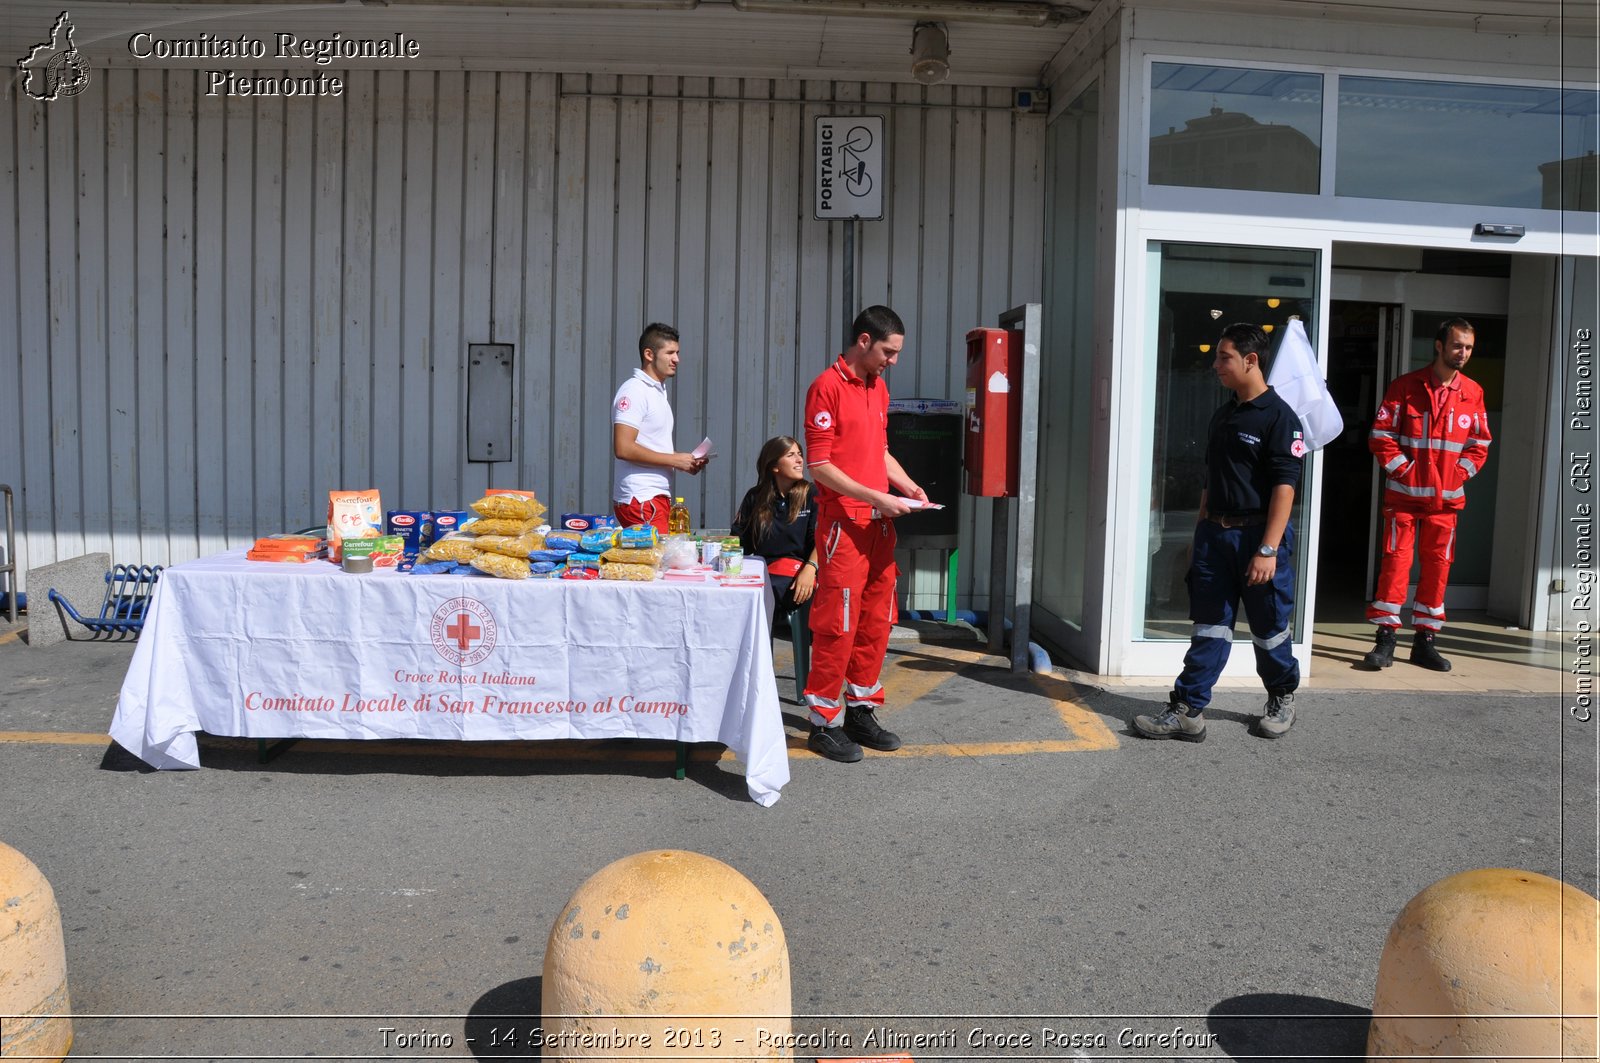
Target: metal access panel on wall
850, 168
490, 388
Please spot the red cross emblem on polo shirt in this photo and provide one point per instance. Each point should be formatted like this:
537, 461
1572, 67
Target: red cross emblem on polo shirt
464, 631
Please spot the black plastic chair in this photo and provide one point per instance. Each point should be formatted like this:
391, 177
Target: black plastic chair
799, 619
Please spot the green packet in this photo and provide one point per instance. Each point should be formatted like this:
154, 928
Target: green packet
382, 544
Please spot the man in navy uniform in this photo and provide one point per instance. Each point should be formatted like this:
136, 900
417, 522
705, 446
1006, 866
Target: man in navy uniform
1243, 546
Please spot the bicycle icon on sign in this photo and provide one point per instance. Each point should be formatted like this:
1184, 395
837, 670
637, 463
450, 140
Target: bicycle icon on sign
856, 178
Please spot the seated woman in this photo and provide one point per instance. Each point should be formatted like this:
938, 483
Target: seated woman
778, 523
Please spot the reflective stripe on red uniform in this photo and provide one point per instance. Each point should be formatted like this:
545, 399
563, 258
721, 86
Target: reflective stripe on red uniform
1401, 529
1430, 441
853, 610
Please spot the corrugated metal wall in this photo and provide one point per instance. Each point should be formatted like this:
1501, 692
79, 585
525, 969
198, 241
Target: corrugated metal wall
223, 308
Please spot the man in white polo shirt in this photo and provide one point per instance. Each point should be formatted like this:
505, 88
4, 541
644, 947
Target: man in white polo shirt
641, 435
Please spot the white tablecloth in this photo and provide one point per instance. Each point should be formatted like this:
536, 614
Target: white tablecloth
273, 650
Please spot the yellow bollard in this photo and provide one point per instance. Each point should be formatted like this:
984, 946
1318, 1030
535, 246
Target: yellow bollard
667, 955
1503, 960
34, 1009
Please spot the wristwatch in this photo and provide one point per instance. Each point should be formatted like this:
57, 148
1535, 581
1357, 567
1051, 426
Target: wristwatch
1266, 551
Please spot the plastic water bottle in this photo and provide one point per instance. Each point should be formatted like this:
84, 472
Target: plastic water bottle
678, 518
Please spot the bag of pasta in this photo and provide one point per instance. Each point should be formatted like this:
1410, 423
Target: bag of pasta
623, 555
501, 526
512, 546
502, 566
620, 570
509, 505
461, 548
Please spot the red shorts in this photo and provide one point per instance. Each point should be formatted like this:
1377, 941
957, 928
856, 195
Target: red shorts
652, 511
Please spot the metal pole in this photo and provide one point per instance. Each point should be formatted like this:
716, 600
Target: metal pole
998, 544
849, 279
10, 567
1019, 541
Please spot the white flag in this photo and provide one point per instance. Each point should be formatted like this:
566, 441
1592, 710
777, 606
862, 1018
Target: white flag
1295, 376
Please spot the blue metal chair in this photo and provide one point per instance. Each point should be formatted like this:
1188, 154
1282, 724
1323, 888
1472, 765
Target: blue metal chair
128, 591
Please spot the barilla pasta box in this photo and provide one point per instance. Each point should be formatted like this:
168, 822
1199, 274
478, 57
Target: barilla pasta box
582, 522
414, 526
447, 521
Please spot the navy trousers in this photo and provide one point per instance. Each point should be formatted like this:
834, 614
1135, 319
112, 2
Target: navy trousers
1217, 585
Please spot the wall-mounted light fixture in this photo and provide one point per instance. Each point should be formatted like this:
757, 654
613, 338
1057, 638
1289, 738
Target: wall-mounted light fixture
930, 53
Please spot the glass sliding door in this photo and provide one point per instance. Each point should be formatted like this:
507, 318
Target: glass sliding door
1199, 290
1065, 413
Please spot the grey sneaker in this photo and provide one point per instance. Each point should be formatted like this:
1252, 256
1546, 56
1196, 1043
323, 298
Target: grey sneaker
1279, 716
1175, 722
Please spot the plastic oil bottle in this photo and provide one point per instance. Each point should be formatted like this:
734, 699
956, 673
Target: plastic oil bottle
678, 518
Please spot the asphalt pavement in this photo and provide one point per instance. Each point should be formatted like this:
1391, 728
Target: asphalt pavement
1026, 879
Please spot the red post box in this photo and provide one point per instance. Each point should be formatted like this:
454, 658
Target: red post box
994, 407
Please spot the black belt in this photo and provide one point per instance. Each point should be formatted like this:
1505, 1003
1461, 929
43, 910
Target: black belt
1238, 520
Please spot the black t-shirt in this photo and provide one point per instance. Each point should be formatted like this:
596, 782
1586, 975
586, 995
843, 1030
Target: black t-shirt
783, 538
1251, 448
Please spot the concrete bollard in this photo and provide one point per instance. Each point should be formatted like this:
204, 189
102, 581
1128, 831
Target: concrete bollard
667, 955
1503, 960
33, 964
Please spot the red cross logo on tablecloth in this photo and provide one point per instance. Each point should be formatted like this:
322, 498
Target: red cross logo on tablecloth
463, 631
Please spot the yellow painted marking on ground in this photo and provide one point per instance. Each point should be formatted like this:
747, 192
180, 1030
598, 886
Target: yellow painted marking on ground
1091, 730
54, 738
909, 675
907, 678
11, 636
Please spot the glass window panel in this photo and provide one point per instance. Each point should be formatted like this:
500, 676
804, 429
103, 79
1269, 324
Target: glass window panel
1467, 142
1235, 127
1061, 542
1201, 290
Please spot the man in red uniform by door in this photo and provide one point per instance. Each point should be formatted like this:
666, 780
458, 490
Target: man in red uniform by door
853, 608
1431, 436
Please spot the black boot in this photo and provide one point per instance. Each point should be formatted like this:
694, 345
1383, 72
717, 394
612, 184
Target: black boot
1424, 653
1381, 655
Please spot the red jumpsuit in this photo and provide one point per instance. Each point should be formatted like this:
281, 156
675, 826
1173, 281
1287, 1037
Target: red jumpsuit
853, 608
1430, 438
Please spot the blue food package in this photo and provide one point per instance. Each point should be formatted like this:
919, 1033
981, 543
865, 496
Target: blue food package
642, 537
446, 521
414, 526
564, 541
582, 560
599, 540
553, 556
539, 568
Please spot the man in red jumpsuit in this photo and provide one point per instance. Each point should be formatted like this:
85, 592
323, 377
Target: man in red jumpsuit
1431, 436
853, 607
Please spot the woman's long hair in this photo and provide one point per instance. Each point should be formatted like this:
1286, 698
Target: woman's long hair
764, 509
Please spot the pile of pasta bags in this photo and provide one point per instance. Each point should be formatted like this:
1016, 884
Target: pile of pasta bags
509, 538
